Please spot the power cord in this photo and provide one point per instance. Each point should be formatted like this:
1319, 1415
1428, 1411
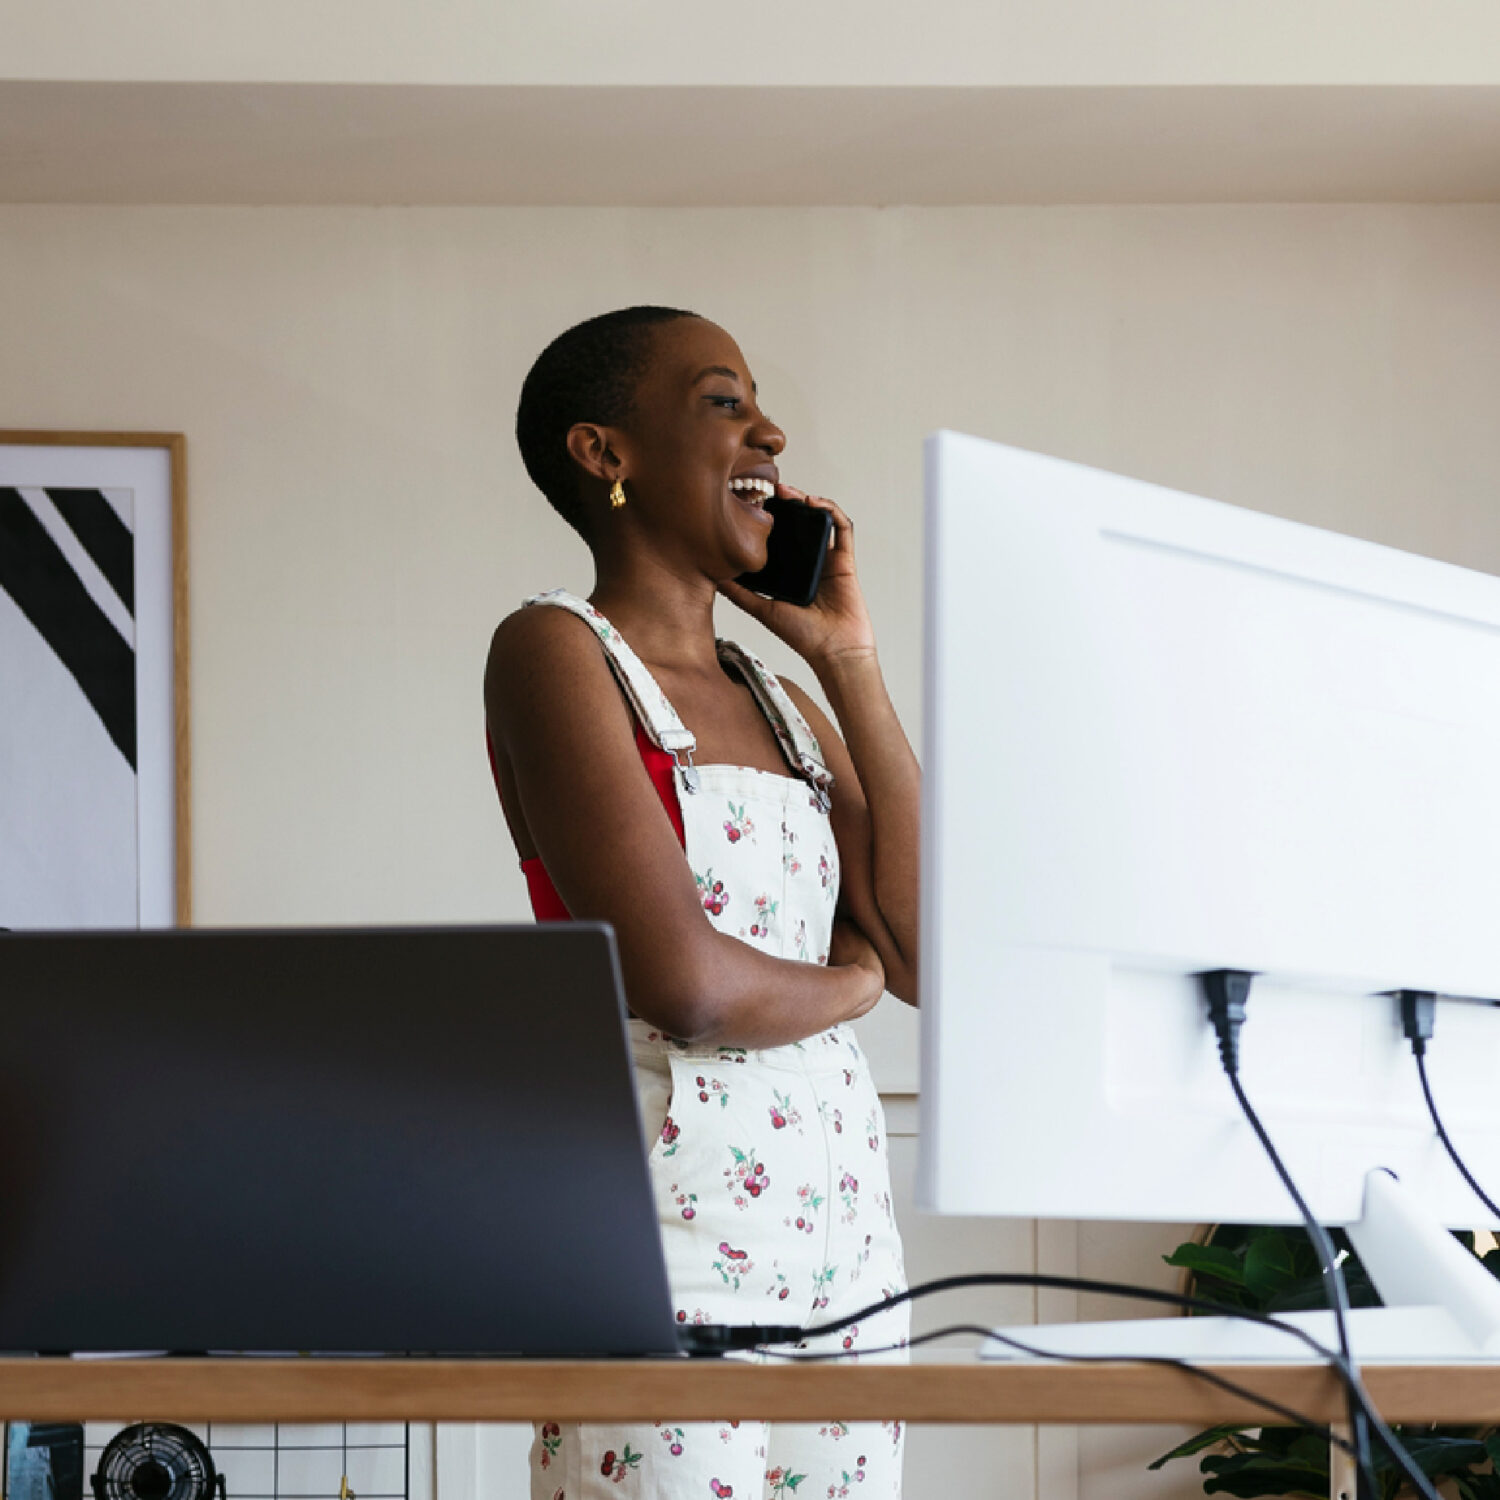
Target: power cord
723, 1338
1227, 992
1211, 1377
1048, 1282
1418, 1020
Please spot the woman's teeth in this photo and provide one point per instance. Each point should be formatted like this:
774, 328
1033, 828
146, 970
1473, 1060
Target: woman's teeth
752, 489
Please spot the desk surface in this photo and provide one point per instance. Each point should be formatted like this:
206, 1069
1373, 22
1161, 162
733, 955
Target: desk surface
321, 1390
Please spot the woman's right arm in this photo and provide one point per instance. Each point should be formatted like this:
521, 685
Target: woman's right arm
556, 714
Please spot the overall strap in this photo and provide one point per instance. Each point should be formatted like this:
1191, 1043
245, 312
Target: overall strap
793, 733
652, 707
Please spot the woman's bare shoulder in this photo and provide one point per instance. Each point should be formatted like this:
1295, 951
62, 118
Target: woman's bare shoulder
545, 656
537, 637
538, 625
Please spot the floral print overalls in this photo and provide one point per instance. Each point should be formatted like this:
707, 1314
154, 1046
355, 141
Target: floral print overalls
769, 1165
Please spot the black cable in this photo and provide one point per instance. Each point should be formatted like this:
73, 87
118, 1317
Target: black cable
1418, 1019
724, 1338
1051, 1283
756, 1337
1437, 1124
1333, 1279
1211, 1377
822, 1356
1226, 991
1333, 1283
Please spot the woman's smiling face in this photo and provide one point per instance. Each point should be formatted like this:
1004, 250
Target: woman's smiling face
699, 456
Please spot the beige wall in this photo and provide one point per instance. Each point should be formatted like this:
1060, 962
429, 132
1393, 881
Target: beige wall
359, 521
346, 379
779, 41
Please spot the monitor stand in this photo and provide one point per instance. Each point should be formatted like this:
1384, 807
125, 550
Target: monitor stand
1441, 1307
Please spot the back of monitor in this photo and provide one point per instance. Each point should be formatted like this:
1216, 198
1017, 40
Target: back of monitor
1164, 735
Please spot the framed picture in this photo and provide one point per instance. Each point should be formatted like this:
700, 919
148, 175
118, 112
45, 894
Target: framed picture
93, 681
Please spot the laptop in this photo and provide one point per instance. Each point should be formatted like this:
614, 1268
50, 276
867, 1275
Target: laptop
405, 1140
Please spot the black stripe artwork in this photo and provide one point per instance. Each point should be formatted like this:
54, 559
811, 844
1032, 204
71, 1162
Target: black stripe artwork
104, 536
36, 575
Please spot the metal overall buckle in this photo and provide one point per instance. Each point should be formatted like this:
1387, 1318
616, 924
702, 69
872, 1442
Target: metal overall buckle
687, 770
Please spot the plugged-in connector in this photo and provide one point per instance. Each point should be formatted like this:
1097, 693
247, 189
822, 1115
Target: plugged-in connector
707, 1340
1418, 1017
1226, 991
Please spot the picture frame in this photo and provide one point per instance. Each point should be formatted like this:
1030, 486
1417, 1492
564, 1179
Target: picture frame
95, 763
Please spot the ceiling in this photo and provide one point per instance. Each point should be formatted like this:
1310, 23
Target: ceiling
743, 146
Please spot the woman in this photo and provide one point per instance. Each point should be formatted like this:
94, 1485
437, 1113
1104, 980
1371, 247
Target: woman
759, 870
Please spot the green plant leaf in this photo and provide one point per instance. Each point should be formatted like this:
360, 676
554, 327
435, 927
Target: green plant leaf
1357, 1283
1276, 1461
1299, 1461
1473, 1486
1273, 1439
1208, 1260
1437, 1454
1304, 1254
1270, 1483
1253, 1474
1492, 1447
1300, 1295
1269, 1267
1282, 1442
1197, 1443
1233, 1236
1308, 1448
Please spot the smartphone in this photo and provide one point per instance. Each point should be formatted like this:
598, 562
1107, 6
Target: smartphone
795, 552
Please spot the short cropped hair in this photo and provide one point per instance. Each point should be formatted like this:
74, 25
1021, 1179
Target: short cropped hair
587, 374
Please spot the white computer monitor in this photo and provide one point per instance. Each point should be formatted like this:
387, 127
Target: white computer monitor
1164, 735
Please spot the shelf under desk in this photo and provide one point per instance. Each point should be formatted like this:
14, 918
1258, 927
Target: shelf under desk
322, 1390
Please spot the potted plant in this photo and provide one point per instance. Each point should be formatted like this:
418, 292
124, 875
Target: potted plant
1272, 1270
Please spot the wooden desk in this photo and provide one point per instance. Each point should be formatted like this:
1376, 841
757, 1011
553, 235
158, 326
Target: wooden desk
324, 1390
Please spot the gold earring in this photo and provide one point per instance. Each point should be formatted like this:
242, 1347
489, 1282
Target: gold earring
617, 496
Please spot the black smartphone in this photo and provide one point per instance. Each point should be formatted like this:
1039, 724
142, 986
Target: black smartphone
794, 552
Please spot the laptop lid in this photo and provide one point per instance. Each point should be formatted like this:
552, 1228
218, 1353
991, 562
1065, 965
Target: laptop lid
416, 1140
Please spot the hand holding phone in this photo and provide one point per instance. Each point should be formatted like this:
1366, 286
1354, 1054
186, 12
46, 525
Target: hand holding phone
795, 552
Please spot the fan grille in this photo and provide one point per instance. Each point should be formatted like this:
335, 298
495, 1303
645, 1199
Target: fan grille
156, 1461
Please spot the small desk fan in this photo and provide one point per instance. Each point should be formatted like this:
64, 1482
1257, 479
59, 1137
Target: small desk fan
157, 1461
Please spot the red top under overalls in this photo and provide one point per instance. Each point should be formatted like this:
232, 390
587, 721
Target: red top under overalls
546, 904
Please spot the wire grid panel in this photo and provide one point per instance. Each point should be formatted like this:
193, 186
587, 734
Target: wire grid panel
297, 1461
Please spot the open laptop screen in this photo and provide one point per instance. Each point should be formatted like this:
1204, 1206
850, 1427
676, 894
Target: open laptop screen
417, 1139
